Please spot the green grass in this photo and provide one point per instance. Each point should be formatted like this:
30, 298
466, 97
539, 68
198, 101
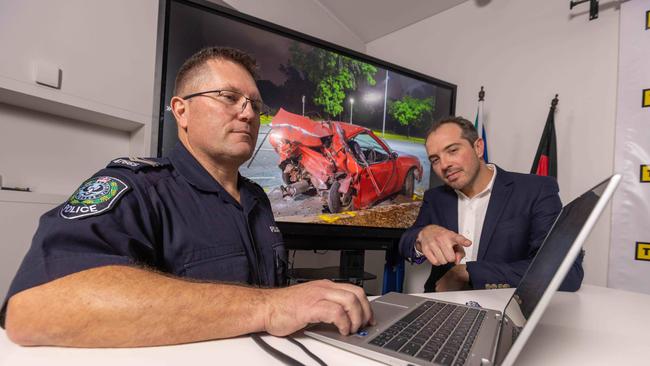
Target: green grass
395, 137
265, 119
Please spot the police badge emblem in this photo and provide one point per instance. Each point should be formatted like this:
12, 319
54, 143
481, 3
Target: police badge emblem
95, 196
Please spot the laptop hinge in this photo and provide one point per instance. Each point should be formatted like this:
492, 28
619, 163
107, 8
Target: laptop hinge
495, 346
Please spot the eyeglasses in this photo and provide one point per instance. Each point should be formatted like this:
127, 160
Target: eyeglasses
233, 100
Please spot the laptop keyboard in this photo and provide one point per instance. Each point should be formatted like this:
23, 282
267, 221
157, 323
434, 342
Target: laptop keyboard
434, 331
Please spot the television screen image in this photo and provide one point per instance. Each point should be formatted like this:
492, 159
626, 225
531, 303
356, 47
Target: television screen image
343, 142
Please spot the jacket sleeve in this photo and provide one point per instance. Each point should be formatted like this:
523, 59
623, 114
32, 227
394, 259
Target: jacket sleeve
545, 210
425, 217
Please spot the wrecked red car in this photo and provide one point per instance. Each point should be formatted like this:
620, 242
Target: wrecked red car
347, 165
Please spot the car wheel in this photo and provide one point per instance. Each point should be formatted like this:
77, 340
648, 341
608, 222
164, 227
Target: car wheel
336, 202
409, 184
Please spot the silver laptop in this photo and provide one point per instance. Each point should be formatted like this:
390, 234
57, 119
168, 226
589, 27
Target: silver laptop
413, 330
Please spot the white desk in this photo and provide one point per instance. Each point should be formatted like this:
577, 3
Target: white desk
577, 328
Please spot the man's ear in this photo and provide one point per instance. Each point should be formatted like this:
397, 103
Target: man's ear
478, 147
179, 109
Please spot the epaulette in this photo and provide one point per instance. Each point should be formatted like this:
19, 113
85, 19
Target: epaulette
137, 164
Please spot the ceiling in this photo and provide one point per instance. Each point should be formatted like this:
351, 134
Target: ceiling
368, 20
373, 19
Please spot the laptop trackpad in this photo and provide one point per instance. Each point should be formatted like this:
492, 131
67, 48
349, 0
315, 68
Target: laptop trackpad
386, 312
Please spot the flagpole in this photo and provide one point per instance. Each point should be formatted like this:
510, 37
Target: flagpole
480, 122
554, 102
481, 99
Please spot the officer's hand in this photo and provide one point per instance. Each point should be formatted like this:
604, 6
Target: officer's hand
440, 245
293, 308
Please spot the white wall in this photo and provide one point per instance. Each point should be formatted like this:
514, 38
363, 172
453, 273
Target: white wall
523, 52
106, 51
52, 154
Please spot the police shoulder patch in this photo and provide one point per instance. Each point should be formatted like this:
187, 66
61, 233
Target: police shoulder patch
96, 195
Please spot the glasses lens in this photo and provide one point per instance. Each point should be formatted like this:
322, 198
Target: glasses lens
256, 105
236, 100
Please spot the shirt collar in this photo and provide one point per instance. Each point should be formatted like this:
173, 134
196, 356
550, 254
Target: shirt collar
193, 172
487, 189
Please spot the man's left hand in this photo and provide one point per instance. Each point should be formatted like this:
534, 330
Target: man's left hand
456, 279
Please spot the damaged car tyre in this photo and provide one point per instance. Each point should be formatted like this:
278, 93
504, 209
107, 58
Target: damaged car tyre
336, 202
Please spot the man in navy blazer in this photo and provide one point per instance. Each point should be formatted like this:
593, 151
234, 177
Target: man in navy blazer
507, 215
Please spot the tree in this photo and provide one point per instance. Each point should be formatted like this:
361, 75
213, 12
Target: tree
409, 111
333, 75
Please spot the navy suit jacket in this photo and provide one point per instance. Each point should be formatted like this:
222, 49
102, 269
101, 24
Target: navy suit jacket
520, 213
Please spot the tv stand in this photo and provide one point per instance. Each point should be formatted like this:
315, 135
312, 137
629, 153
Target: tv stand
350, 269
352, 242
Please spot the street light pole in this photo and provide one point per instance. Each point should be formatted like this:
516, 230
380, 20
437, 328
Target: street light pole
351, 108
383, 124
303, 105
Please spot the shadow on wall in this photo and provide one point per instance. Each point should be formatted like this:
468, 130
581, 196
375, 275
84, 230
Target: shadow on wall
481, 3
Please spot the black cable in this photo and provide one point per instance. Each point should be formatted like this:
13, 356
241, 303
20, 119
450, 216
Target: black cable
282, 357
307, 351
274, 352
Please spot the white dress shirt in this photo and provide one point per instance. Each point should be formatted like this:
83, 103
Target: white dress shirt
471, 214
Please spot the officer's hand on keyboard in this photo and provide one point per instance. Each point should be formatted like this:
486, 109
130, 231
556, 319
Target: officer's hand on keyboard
292, 308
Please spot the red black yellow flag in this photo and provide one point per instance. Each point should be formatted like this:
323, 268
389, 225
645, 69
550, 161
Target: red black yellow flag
545, 162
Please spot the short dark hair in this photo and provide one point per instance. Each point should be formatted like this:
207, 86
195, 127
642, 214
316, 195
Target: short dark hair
192, 65
468, 131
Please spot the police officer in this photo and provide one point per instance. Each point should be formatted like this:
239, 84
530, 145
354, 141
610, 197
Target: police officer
156, 251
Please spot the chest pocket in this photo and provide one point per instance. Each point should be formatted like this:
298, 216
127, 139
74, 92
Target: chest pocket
223, 261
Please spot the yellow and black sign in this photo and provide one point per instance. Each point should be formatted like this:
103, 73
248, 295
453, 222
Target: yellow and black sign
642, 251
644, 174
647, 20
646, 98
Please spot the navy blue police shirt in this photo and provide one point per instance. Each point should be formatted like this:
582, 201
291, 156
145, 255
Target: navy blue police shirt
168, 214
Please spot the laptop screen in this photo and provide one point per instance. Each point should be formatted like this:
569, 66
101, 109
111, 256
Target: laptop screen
544, 266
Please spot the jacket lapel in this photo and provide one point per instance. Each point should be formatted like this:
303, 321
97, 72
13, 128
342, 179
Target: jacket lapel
449, 213
501, 191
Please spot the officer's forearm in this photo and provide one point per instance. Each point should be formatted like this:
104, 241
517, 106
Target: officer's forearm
119, 306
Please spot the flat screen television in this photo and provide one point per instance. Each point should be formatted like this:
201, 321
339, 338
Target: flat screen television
341, 153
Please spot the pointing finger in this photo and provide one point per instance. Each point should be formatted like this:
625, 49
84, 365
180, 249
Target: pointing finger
462, 240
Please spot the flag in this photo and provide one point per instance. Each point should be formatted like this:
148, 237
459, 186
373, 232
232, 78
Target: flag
478, 123
545, 162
